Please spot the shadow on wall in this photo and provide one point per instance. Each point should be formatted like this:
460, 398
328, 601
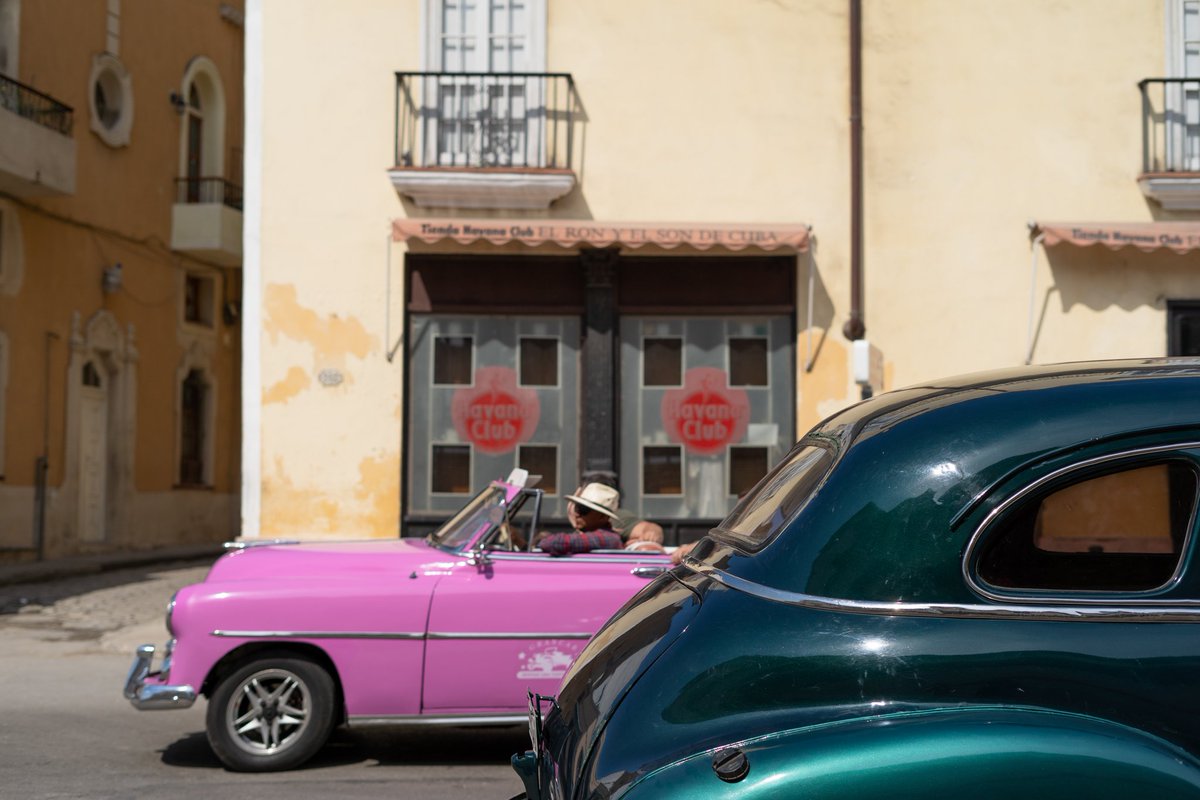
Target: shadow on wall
1100, 279
814, 308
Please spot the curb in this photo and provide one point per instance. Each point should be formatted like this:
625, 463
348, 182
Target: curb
55, 569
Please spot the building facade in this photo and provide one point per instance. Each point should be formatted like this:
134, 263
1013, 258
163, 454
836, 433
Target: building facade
626, 239
120, 255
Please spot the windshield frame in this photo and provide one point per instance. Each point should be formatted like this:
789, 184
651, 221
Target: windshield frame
474, 520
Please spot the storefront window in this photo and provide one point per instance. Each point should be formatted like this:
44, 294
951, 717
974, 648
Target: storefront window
747, 465
541, 460
706, 407
452, 360
748, 362
539, 361
662, 362
662, 470
451, 470
488, 393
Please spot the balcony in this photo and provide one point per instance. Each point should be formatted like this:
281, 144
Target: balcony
38, 157
485, 140
1171, 142
206, 220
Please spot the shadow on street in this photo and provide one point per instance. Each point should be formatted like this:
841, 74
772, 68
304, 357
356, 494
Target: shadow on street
386, 746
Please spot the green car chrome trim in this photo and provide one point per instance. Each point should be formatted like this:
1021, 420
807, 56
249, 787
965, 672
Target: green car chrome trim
1132, 611
992, 593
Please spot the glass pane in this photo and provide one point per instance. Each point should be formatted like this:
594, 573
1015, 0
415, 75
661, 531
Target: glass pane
747, 362
91, 376
662, 470
541, 460
662, 362
1123, 531
778, 499
451, 472
539, 362
747, 466
452, 360
1189, 334
490, 411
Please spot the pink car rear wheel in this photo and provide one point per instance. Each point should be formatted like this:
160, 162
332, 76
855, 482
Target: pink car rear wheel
273, 713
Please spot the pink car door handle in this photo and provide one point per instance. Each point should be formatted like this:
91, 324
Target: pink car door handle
647, 572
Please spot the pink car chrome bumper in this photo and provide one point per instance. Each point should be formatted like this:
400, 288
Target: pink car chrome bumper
143, 689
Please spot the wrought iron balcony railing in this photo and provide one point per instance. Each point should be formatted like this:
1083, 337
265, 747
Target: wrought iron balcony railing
35, 106
1170, 125
208, 190
475, 120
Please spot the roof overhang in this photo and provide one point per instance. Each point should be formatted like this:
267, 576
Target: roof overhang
590, 233
1180, 237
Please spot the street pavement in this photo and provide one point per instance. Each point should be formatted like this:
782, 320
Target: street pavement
66, 642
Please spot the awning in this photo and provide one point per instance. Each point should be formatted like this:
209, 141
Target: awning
573, 233
1181, 237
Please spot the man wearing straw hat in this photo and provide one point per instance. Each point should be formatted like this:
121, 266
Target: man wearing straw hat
591, 512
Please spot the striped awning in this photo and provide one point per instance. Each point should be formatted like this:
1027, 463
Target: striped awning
589, 233
1180, 237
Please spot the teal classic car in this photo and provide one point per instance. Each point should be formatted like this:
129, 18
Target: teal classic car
985, 587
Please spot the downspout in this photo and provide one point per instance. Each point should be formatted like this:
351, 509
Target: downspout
855, 327
1037, 241
42, 463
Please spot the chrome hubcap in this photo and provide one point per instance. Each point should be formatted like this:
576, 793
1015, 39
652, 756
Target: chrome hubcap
269, 711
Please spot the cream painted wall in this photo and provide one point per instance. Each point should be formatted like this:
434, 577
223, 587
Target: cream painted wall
981, 117
978, 117
330, 455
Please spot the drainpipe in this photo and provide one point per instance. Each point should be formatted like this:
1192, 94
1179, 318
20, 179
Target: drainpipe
855, 327
42, 463
1033, 251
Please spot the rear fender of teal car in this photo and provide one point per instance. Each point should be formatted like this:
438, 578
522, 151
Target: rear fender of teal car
978, 753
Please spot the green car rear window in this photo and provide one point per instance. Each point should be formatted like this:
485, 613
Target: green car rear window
778, 497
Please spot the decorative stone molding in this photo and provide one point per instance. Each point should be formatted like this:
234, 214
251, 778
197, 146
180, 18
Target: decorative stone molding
1177, 192
477, 188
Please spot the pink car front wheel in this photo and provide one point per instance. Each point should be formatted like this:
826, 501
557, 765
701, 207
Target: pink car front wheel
273, 713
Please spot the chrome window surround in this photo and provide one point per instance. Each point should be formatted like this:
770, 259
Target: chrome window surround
1099, 596
1111, 607
1165, 611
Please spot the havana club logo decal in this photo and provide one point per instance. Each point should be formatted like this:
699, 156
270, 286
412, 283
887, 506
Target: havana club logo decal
705, 415
495, 414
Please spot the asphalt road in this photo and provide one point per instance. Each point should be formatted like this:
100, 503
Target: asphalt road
67, 732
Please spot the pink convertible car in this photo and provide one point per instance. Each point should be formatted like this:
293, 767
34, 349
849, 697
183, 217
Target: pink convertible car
287, 640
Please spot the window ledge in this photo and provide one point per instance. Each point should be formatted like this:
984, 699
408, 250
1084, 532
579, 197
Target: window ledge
481, 188
1176, 191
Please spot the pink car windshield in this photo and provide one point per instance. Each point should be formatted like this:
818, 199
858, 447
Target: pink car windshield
482, 512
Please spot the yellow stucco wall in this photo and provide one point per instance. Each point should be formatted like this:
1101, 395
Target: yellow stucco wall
978, 118
119, 212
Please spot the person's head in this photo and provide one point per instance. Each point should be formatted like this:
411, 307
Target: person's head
645, 531
593, 506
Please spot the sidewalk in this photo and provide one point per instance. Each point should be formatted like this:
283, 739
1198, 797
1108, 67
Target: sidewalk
54, 569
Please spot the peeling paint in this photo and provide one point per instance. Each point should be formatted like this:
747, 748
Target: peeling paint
333, 338
291, 511
371, 511
379, 490
296, 381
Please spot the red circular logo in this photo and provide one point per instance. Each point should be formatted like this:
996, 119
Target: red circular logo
495, 414
705, 415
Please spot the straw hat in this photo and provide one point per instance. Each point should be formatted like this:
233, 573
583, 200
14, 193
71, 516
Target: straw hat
598, 497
